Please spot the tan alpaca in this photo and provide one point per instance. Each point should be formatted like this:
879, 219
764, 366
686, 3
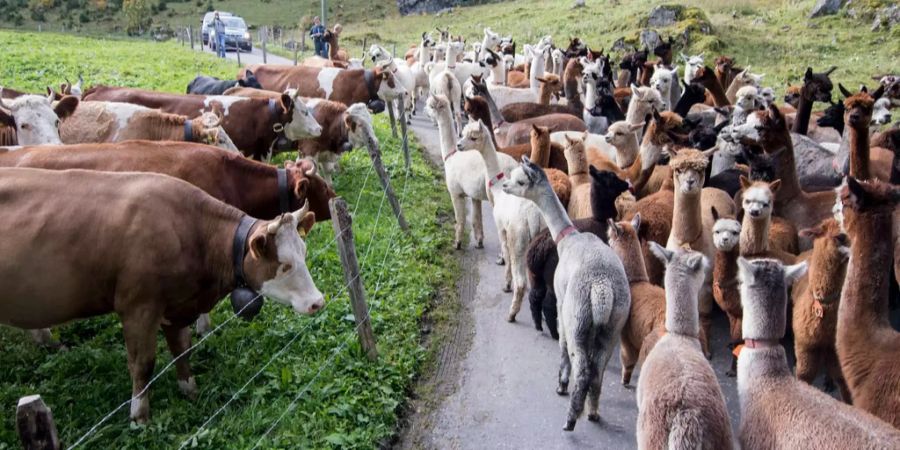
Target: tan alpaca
726, 237
779, 411
815, 304
540, 155
867, 347
680, 404
550, 85
689, 168
580, 199
647, 317
758, 199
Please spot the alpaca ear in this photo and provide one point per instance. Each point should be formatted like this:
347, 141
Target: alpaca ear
808, 75
878, 92
745, 270
794, 272
844, 91
612, 230
710, 152
858, 195
715, 213
745, 183
664, 255
635, 91
812, 233
636, 222
832, 69
773, 186
696, 261
636, 126
775, 114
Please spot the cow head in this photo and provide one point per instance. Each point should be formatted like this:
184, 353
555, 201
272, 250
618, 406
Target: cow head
307, 186
275, 266
208, 129
387, 86
358, 122
35, 118
302, 124
249, 81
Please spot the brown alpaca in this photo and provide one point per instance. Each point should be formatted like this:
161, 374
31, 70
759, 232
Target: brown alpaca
680, 404
688, 228
815, 305
707, 78
657, 138
792, 97
540, 155
726, 238
580, 201
647, 317
725, 70
866, 162
778, 411
757, 199
867, 346
550, 85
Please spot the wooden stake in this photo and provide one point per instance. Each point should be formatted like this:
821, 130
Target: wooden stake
375, 155
343, 230
191, 37
34, 423
390, 108
401, 103
264, 39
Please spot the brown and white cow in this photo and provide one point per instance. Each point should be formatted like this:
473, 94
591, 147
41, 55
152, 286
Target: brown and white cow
33, 119
344, 129
370, 87
258, 127
96, 122
155, 250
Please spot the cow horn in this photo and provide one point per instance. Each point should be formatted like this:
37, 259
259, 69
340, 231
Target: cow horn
2, 103
298, 214
51, 96
312, 162
272, 228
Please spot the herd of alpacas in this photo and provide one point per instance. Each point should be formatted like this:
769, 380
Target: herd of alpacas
634, 199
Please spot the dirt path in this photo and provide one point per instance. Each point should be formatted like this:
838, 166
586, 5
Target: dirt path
500, 393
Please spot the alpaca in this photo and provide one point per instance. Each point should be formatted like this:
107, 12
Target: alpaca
865, 161
402, 73
580, 200
816, 87
621, 135
867, 347
491, 41
757, 202
792, 96
691, 64
593, 294
542, 257
540, 155
741, 80
460, 70
665, 81
815, 303
444, 84
517, 220
707, 78
526, 90
778, 410
692, 94
680, 404
515, 112
726, 238
647, 316
643, 100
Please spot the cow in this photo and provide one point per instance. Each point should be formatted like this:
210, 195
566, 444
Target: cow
258, 127
96, 122
345, 129
32, 119
213, 86
371, 87
10, 94
155, 250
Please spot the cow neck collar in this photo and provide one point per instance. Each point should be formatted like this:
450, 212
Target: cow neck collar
283, 198
369, 76
188, 131
281, 142
238, 250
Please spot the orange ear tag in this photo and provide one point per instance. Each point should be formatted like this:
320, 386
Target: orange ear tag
737, 350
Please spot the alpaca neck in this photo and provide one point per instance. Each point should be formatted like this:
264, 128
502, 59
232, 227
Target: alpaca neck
715, 88
623, 78
650, 149
757, 365
682, 314
731, 93
570, 86
864, 297
578, 168
451, 56
754, 235
446, 131
633, 261
498, 74
492, 165
635, 114
687, 221
627, 152
540, 151
537, 69
804, 111
422, 53
859, 152
496, 117
721, 77
546, 92
552, 210
895, 169
590, 95
786, 171
725, 267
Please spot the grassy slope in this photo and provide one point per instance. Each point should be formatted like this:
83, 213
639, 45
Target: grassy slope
351, 403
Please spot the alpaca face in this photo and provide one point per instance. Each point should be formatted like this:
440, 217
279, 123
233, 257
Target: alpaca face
644, 99
817, 86
748, 99
688, 181
436, 105
662, 80
726, 234
685, 269
858, 111
792, 96
473, 137
833, 116
828, 263
757, 201
620, 134
768, 95
692, 63
881, 114
763, 287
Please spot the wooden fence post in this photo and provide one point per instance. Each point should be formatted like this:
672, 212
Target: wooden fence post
191, 37
365, 39
343, 230
375, 156
390, 108
238, 56
303, 41
34, 423
265, 37
401, 103
294, 43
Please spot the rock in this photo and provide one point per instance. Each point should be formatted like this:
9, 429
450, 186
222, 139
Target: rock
663, 16
649, 39
578, 4
621, 46
887, 18
424, 6
826, 7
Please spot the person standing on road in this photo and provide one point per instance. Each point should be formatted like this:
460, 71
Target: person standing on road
219, 28
318, 34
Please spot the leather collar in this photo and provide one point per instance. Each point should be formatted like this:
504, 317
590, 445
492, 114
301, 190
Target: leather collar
238, 249
281, 142
283, 198
188, 131
565, 233
369, 76
496, 179
452, 152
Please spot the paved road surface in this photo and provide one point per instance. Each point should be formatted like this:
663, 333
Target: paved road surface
502, 392
254, 57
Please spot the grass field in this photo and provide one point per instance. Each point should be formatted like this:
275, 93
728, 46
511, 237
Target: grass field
343, 401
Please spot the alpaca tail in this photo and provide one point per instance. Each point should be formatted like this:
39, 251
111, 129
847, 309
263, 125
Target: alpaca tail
601, 301
685, 431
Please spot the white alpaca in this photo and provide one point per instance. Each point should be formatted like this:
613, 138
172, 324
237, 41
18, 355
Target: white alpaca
691, 64
643, 100
665, 81
593, 296
743, 79
624, 142
591, 75
538, 55
881, 113
402, 73
768, 95
491, 41
461, 70
558, 58
517, 219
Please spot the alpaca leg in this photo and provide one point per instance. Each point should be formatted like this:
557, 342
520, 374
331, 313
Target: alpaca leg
603, 348
706, 310
459, 211
808, 363
519, 275
734, 324
565, 364
550, 313
581, 367
629, 356
833, 365
477, 223
536, 301
504, 249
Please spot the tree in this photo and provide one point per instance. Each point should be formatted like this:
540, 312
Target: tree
137, 15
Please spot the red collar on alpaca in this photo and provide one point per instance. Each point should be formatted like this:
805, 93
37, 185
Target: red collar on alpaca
496, 179
565, 233
761, 343
452, 152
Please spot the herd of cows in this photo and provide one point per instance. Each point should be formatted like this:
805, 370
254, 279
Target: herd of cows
631, 201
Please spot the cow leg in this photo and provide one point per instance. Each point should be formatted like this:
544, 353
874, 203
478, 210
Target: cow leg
139, 326
179, 340
204, 324
44, 338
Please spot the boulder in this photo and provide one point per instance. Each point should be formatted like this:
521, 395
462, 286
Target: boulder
649, 39
424, 6
826, 7
887, 18
663, 16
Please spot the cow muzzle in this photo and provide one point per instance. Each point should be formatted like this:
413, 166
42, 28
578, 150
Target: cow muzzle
375, 106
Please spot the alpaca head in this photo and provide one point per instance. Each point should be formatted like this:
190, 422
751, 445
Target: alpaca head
724, 64
758, 198
540, 145
726, 234
475, 136
691, 64
792, 95
621, 134
643, 100
689, 169
768, 95
591, 72
606, 188
859, 107
763, 287
576, 48
767, 129
491, 40
623, 238
745, 78
762, 164
663, 79
550, 83
704, 137
476, 108
686, 272
817, 86
866, 198
558, 57
528, 180
664, 48
437, 106
881, 114
748, 98
573, 149
828, 263
833, 116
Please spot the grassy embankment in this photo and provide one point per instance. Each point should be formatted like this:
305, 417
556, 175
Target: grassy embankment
349, 401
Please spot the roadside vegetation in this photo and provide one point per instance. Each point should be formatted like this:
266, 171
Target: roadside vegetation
342, 399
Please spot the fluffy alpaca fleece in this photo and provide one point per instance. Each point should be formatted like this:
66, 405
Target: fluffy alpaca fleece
445, 84
621, 135
740, 81
656, 212
540, 155
580, 201
778, 410
542, 257
680, 404
517, 220
593, 295
665, 82
643, 100
867, 346
726, 237
757, 200
815, 305
647, 316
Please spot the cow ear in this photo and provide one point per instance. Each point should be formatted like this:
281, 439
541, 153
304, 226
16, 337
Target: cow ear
258, 244
287, 102
305, 224
350, 123
242, 83
300, 186
65, 107
6, 118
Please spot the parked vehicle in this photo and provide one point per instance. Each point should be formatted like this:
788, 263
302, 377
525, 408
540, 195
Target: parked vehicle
206, 25
237, 36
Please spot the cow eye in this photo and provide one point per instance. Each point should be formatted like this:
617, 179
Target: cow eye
26, 126
286, 268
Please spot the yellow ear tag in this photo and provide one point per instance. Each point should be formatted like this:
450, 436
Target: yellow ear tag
737, 350
301, 232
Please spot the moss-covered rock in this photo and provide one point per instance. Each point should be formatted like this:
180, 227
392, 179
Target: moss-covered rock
689, 25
